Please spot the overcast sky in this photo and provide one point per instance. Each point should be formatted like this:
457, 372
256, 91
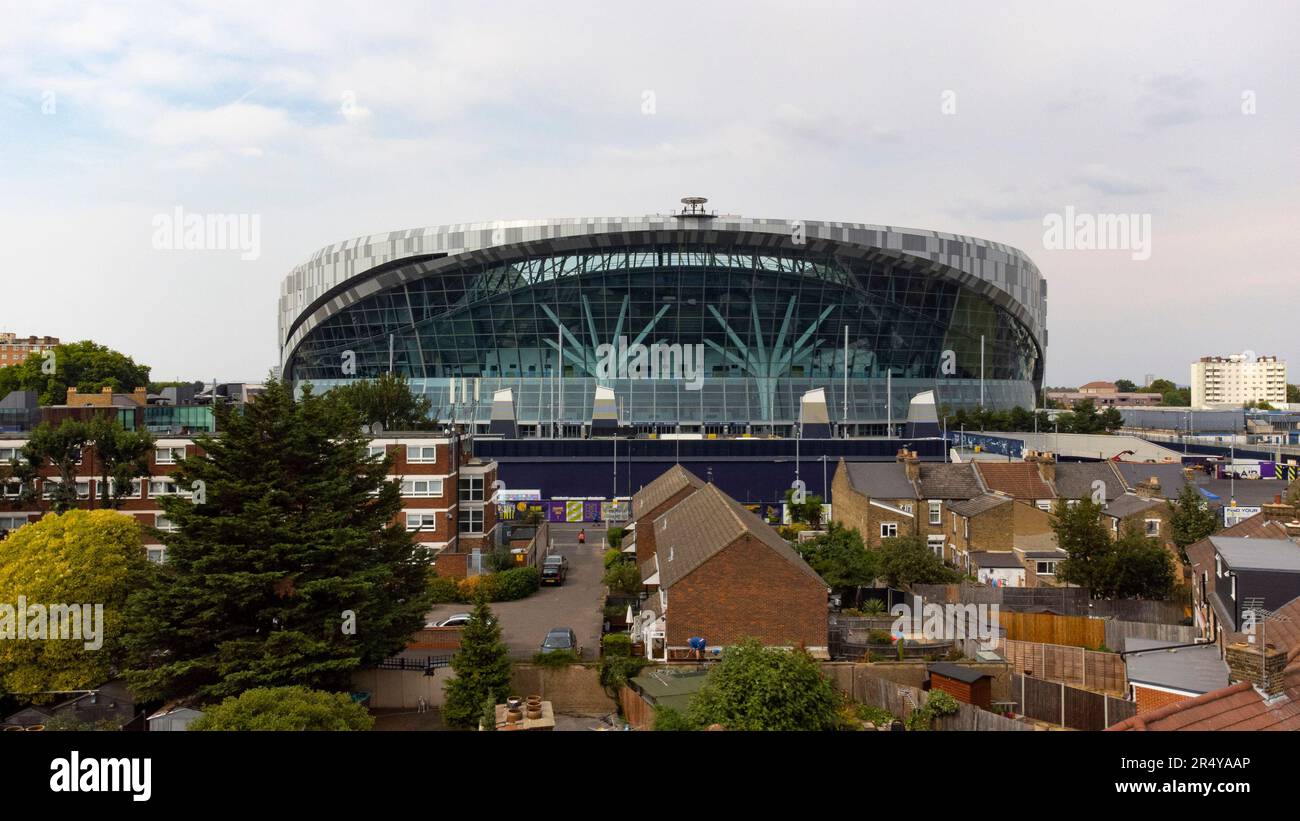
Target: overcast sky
328, 121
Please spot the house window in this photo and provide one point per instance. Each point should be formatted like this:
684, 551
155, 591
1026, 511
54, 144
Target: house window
167, 456
7, 455
471, 488
1218, 566
164, 487
83, 489
422, 487
420, 453
1153, 527
1045, 568
966, 528
11, 489
888, 530
164, 524
376, 452
133, 493
936, 545
936, 512
157, 554
418, 521
471, 520
12, 523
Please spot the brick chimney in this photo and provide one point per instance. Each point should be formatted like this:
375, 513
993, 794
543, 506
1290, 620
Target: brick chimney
1245, 664
1279, 511
1148, 488
911, 464
1046, 462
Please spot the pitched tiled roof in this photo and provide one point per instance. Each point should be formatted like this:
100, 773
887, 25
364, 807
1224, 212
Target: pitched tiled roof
1130, 503
1020, 480
980, 504
880, 480
1238, 707
662, 489
1170, 475
991, 559
1074, 479
949, 481
700, 526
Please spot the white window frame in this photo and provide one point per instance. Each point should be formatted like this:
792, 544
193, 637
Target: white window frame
420, 458
161, 522
1040, 564
936, 512
888, 530
432, 491
156, 550
376, 451
936, 542
136, 491
171, 455
1148, 523
422, 520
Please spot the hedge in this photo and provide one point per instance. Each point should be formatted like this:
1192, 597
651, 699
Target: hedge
508, 585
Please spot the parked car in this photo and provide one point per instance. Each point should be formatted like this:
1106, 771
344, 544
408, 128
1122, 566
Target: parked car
456, 620
555, 569
561, 639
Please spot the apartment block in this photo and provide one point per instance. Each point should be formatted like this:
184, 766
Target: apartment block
1237, 379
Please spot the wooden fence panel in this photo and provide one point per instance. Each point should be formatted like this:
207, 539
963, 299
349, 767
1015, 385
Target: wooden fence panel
1048, 628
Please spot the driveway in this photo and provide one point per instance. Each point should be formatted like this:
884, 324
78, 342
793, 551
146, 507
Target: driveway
578, 603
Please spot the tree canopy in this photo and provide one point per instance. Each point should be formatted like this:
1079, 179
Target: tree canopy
764, 688
289, 709
1081, 534
1131, 566
387, 401
79, 557
1190, 519
82, 365
287, 566
841, 559
908, 560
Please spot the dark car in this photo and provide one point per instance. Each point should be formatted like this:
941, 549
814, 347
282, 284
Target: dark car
555, 569
559, 640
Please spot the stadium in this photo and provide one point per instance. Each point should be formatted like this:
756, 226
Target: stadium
772, 308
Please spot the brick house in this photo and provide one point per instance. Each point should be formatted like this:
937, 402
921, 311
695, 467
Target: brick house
939, 486
878, 499
667, 489
722, 574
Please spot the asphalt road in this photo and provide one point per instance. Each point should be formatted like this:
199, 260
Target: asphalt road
578, 603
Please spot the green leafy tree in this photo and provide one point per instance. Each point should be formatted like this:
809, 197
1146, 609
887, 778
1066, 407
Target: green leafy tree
62, 447
623, 578
809, 511
1190, 519
82, 365
286, 709
1081, 534
482, 668
120, 455
1125, 386
1292, 394
287, 566
1138, 568
908, 560
765, 688
1110, 420
841, 559
79, 557
387, 401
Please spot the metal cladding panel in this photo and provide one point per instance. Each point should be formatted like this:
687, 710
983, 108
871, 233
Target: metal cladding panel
1000, 272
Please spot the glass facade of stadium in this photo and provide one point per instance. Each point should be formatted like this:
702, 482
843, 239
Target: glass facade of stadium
771, 323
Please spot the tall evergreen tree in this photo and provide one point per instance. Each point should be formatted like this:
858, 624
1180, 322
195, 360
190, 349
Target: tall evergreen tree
287, 567
1190, 519
387, 401
1081, 534
482, 667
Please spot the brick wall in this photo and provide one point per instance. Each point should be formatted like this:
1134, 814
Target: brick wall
747, 590
1149, 699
